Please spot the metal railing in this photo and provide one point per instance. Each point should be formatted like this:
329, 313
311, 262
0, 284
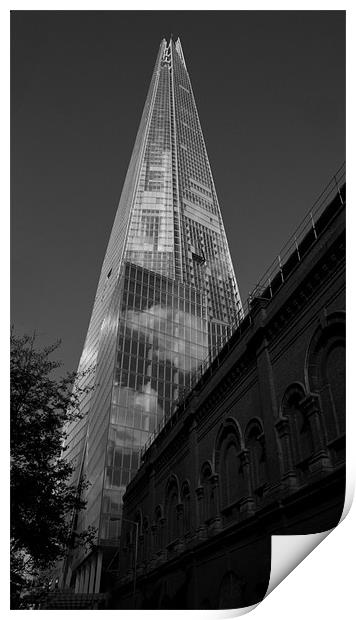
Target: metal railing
291, 254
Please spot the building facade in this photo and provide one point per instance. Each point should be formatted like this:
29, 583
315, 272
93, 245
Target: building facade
256, 449
167, 299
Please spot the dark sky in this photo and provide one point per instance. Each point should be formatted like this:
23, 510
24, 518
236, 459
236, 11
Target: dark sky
270, 91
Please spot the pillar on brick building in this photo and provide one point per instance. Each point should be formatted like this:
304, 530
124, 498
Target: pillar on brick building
194, 471
310, 407
269, 409
216, 523
201, 528
247, 505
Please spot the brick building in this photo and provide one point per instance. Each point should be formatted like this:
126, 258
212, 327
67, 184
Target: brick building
257, 448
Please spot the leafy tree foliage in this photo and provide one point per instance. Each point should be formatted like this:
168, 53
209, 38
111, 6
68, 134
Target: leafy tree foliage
42, 501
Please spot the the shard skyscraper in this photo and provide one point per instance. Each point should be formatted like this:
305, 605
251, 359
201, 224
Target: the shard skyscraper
167, 296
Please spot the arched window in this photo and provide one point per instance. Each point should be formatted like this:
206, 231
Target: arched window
158, 529
208, 499
186, 507
256, 448
228, 464
171, 509
125, 559
230, 471
129, 534
326, 373
300, 430
334, 373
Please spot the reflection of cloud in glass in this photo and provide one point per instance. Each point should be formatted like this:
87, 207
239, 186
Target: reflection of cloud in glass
180, 337
147, 399
129, 438
144, 401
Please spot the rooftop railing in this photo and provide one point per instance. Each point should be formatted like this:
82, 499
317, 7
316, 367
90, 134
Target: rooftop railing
292, 253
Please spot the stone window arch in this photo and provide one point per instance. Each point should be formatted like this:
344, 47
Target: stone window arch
255, 445
292, 409
129, 533
229, 465
158, 529
325, 373
172, 500
186, 501
207, 500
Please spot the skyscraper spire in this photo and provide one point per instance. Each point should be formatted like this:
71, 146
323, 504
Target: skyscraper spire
180, 51
167, 296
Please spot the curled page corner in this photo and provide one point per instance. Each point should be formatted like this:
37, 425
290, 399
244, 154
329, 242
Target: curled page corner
288, 551
224, 613
349, 490
233, 613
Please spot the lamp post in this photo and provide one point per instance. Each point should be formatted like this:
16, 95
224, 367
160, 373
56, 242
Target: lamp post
135, 523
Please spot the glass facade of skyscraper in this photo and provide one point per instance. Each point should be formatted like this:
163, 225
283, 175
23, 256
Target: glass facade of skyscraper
167, 296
